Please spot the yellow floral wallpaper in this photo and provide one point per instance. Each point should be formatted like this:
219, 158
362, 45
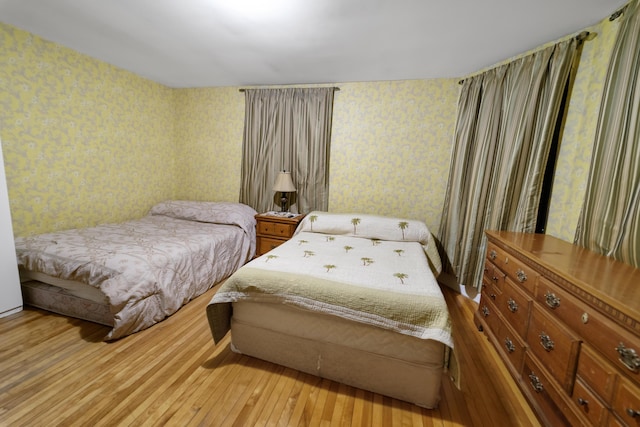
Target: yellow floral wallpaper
210, 124
390, 147
84, 142
572, 166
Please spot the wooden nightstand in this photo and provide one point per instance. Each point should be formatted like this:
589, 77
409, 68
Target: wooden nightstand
272, 231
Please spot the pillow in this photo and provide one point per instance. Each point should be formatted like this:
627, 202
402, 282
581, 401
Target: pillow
366, 226
212, 212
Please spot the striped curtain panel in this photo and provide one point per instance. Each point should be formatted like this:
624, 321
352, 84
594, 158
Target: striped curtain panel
287, 130
504, 130
610, 218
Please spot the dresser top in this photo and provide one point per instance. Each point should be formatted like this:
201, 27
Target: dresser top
614, 283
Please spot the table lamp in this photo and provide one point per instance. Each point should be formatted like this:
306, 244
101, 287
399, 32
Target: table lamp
284, 184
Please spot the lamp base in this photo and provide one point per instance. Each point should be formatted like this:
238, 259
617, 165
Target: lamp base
283, 202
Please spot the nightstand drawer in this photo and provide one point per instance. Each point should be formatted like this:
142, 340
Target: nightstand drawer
276, 229
273, 230
267, 244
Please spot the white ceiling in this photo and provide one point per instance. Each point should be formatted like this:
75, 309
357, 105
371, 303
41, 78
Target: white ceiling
200, 43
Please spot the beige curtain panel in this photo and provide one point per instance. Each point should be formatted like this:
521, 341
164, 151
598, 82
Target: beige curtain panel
610, 218
504, 131
287, 129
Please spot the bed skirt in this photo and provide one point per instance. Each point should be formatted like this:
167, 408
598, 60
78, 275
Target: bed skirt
363, 356
61, 301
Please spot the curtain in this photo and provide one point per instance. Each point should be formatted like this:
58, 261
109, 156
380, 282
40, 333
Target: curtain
504, 131
609, 222
287, 129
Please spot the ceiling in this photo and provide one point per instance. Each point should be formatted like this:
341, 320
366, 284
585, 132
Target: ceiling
201, 43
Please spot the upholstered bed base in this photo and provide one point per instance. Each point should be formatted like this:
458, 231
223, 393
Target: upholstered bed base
370, 358
63, 301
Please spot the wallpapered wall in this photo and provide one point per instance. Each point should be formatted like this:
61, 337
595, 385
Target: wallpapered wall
209, 128
390, 147
572, 167
84, 142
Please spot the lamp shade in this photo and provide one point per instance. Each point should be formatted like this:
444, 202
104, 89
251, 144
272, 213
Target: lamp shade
284, 183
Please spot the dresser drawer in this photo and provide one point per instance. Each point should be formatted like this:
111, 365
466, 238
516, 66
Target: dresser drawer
512, 345
601, 333
519, 272
614, 422
545, 395
492, 291
596, 372
276, 229
515, 305
489, 313
494, 275
626, 402
554, 345
588, 404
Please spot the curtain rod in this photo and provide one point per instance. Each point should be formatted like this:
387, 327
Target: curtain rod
618, 12
334, 88
579, 38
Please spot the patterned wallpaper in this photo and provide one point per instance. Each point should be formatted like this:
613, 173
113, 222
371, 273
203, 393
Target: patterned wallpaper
390, 146
209, 129
84, 142
572, 167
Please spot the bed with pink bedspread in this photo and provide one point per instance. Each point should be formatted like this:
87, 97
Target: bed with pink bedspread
134, 274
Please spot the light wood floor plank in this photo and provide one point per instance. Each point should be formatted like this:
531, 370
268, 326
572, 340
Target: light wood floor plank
58, 371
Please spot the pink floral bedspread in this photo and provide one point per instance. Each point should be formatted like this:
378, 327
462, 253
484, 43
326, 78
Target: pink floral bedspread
148, 268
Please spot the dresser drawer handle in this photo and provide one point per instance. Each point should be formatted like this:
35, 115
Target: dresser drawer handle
552, 300
633, 413
535, 383
513, 306
628, 357
509, 345
485, 310
582, 402
493, 296
493, 255
522, 276
546, 342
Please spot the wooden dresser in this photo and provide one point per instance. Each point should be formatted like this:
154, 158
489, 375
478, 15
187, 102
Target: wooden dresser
566, 323
272, 231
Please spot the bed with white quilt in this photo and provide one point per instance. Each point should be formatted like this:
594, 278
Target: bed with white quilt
133, 274
352, 298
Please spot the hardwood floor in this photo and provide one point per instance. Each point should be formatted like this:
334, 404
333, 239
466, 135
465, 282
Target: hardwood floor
56, 371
